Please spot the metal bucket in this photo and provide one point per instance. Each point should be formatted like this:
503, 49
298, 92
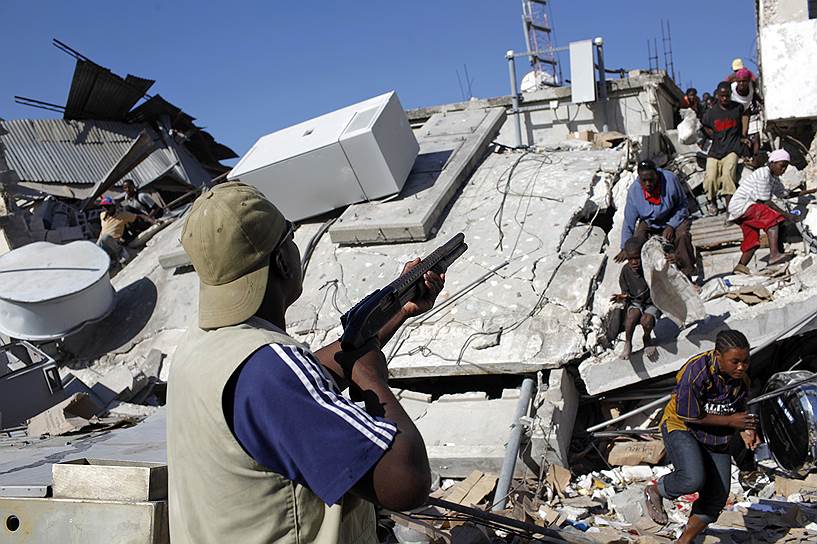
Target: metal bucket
789, 422
50, 291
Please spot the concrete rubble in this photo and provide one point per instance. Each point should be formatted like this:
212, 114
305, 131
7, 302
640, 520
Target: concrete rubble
529, 299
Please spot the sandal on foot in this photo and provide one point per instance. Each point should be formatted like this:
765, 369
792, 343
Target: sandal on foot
742, 269
782, 259
655, 505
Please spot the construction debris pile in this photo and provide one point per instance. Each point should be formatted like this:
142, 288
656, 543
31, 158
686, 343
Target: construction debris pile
535, 426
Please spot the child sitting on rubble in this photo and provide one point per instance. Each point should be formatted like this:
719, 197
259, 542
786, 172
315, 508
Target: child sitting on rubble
635, 293
707, 407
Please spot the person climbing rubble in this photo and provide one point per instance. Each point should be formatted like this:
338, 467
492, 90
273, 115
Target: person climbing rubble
114, 221
727, 125
753, 210
635, 294
261, 444
657, 205
737, 66
691, 101
707, 407
745, 93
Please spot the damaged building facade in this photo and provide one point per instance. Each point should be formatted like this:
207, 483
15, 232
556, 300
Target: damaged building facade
519, 357
110, 128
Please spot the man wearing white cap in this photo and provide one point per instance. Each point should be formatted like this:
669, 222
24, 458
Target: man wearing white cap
752, 208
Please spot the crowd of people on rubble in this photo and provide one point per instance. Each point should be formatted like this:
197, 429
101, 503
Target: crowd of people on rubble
708, 407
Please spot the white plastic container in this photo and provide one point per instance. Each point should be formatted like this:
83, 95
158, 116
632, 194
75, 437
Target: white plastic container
361, 152
49, 291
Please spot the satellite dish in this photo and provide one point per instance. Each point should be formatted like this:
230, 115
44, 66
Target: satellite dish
533, 81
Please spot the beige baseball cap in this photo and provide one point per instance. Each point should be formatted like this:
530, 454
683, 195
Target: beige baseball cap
229, 235
737, 64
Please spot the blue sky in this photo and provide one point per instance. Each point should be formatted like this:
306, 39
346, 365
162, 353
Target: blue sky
244, 69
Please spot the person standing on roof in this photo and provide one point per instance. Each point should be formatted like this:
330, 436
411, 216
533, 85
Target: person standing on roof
262, 446
727, 125
136, 201
657, 205
707, 407
753, 209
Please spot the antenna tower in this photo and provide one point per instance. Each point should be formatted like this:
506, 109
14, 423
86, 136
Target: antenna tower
536, 18
666, 39
652, 54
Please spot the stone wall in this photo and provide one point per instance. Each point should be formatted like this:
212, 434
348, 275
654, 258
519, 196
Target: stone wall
787, 46
637, 106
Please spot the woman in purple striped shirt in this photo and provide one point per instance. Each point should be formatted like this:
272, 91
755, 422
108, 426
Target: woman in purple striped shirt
706, 409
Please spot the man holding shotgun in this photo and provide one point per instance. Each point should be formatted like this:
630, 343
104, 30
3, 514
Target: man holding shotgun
262, 446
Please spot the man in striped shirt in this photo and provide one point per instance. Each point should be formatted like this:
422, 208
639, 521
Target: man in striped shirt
752, 208
707, 408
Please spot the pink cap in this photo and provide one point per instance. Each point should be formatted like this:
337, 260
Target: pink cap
743, 74
779, 155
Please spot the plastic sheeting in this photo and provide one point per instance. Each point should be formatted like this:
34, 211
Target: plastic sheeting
671, 291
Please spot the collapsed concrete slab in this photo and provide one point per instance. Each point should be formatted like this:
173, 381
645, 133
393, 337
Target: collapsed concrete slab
467, 432
761, 324
500, 312
555, 416
451, 147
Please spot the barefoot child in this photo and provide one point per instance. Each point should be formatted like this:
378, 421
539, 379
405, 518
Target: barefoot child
636, 294
706, 409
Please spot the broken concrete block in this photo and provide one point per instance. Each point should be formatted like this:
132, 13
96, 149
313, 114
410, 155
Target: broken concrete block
555, 416
629, 504
466, 435
573, 283
103, 480
584, 240
131, 411
69, 234
71, 415
174, 259
119, 383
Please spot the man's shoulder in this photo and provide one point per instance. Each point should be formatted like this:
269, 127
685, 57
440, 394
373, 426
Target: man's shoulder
700, 366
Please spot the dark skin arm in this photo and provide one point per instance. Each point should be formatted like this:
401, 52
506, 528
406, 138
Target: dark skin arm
743, 421
329, 354
401, 479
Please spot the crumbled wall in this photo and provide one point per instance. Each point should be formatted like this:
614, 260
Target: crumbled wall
788, 51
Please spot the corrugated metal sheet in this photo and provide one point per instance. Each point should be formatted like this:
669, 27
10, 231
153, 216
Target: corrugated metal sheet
97, 93
59, 151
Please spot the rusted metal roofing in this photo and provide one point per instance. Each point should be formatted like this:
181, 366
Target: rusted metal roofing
59, 151
98, 93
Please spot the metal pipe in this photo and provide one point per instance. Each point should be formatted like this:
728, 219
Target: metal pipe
512, 448
602, 83
517, 132
622, 417
549, 535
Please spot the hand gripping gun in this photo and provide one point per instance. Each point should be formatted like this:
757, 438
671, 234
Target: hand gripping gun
363, 321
